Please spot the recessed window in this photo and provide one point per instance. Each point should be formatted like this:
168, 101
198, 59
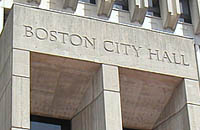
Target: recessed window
46, 123
121, 4
185, 11
129, 129
154, 8
89, 1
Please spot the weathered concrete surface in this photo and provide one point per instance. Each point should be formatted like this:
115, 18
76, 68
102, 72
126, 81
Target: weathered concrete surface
180, 111
5, 75
100, 107
144, 96
105, 43
59, 84
170, 13
138, 10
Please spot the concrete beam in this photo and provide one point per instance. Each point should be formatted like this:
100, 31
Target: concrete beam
138, 9
104, 7
31, 2
195, 15
170, 13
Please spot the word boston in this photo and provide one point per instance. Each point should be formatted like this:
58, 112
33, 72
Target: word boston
109, 46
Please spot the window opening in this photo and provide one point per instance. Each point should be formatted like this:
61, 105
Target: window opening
154, 8
121, 4
89, 1
185, 11
47, 123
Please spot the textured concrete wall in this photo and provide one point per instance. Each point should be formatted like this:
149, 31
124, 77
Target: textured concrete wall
14, 82
5, 76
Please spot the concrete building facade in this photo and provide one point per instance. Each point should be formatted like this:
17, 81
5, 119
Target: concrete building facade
93, 65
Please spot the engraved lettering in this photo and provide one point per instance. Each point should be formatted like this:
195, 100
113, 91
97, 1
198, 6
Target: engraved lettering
183, 60
76, 40
28, 31
107, 44
154, 54
175, 59
53, 36
41, 33
117, 47
126, 47
92, 43
63, 36
136, 50
166, 56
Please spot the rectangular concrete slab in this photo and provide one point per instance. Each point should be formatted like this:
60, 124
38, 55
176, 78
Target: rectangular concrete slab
98, 41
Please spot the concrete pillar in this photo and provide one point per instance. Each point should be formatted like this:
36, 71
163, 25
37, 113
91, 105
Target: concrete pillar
21, 89
104, 7
1, 19
6, 78
195, 15
183, 110
170, 13
100, 109
138, 9
31, 2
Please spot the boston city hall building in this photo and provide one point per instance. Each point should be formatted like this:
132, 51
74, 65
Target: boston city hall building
99, 64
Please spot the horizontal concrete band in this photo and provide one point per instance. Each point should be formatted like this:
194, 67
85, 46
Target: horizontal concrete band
102, 42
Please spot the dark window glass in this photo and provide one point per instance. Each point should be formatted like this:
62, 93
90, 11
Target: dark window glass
46, 123
44, 126
129, 129
121, 4
89, 1
154, 8
185, 11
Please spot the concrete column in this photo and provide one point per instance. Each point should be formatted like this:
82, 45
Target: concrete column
100, 109
183, 110
104, 7
1, 18
170, 13
6, 78
138, 9
195, 14
21, 89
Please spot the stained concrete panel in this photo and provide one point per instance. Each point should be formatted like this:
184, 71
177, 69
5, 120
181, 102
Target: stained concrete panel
194, 114
179, 121
103, 42
144, 96
20, 102
59, 84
